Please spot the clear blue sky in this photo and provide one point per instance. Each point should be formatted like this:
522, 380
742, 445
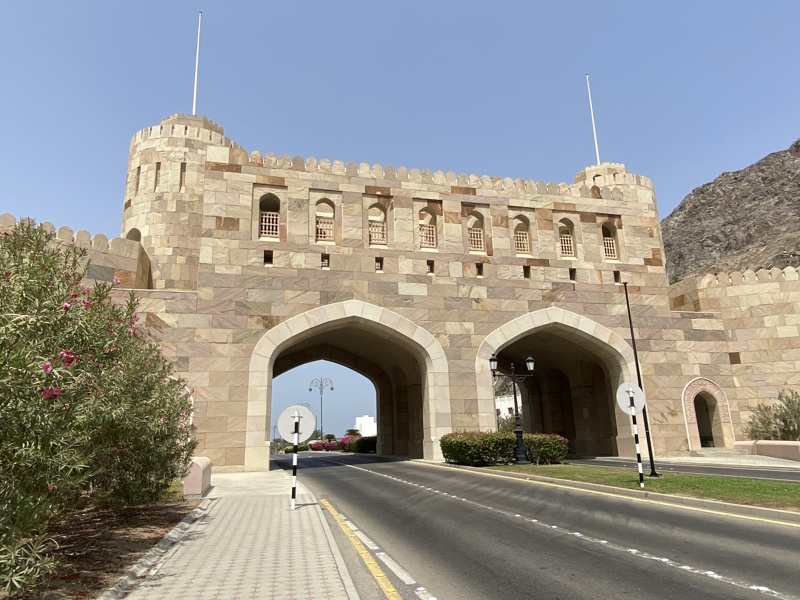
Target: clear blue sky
682, 90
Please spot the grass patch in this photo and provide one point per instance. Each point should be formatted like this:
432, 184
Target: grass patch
783, 495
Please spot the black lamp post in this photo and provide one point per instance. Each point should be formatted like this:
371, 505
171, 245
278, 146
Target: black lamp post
320, 383
514, 379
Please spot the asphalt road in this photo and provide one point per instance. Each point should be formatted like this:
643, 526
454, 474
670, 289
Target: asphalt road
777, 473
463, 535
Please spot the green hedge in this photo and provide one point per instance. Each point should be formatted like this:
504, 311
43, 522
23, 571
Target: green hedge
478, 448
545, 447
363, 445
290, 449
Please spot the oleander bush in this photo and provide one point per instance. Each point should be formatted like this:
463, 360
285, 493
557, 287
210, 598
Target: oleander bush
317, 445
364, 445
331, 445
344, 441
88, 405
545, 448
780, 421
478, 448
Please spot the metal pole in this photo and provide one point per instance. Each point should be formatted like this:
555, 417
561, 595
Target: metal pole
521, 458
321, 431
196, 63
294, 456
636, 439
591, 110
639, 381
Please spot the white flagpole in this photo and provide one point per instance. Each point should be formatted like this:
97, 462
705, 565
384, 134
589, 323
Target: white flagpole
197, 62
594, 130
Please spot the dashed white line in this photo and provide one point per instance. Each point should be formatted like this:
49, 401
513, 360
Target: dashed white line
632, 551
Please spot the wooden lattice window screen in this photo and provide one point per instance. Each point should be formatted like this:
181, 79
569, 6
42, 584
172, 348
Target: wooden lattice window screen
475, 239
567, 247
324, 229
268, 224
377, 233
427, 236
522, 244
610, 248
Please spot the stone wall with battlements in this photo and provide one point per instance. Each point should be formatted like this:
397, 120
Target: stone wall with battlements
414, 279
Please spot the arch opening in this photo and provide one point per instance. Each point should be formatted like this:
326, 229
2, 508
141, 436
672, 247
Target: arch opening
402, 360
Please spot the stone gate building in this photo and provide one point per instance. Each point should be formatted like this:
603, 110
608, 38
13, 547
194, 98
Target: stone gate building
249, 265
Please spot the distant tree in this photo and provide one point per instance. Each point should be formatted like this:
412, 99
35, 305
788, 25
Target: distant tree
352, 432
330, 436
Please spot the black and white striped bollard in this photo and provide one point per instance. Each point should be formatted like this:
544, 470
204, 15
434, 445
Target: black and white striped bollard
294, 456
636, 439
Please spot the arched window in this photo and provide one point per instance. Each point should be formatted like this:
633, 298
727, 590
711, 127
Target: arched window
475, 233
522, 241
269, 209
427, 228
324, 220
609, 241
566, 238
377, 225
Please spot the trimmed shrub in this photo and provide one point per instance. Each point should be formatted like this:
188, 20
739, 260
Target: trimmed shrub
300, 448
317, 445
364, 445
478, 448
328, 446
545, 448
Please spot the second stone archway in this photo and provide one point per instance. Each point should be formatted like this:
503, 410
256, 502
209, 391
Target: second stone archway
580, 364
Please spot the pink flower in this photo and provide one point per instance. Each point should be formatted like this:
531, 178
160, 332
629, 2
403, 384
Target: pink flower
65, 305
110, 331
51, 392
74, 294
47, 367
116, 281
68, 357
113, 448
87, 303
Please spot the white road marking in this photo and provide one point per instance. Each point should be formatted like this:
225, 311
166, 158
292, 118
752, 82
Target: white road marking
632, 551
401, 573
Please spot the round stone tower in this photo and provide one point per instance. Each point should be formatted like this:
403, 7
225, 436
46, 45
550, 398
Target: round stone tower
164, 195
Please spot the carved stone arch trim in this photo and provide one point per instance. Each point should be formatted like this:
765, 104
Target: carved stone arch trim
611, 349
690, 391
384, 322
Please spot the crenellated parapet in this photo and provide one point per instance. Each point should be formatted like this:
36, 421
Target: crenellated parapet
116, 259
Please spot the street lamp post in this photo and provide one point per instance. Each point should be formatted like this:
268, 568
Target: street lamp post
320, 383
514, 379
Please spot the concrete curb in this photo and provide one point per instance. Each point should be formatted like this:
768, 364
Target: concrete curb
349, 586
143, 566
713, 505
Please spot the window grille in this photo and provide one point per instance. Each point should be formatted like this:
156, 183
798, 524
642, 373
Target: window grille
324, 229
427, 236
521, 243
475, 238
269, 224
567, 247
610, 248
377, 233
325, 261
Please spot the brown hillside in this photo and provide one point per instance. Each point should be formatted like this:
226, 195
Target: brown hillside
748, 219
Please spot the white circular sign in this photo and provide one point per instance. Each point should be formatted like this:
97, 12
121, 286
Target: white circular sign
286, 423
624, 397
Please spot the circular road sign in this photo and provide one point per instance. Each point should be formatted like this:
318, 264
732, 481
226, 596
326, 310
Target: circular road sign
286, 423
624, 399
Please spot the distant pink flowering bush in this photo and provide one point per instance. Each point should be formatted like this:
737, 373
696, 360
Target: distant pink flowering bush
344, 442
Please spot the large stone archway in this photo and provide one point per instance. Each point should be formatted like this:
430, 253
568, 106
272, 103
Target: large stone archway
720, 413
343, 330
580, 363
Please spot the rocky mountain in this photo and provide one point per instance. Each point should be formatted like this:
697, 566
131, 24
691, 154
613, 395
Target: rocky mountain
748, 219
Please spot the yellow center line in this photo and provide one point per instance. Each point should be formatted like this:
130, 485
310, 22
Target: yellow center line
380, 577
626, 497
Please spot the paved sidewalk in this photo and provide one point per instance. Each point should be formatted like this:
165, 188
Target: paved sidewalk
249, 544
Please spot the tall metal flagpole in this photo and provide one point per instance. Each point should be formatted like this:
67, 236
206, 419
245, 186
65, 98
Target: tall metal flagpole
197, 62
591, 110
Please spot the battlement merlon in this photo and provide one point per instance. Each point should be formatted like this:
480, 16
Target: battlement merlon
609, 178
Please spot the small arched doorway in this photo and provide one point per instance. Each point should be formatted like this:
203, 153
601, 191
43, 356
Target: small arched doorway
707, 414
